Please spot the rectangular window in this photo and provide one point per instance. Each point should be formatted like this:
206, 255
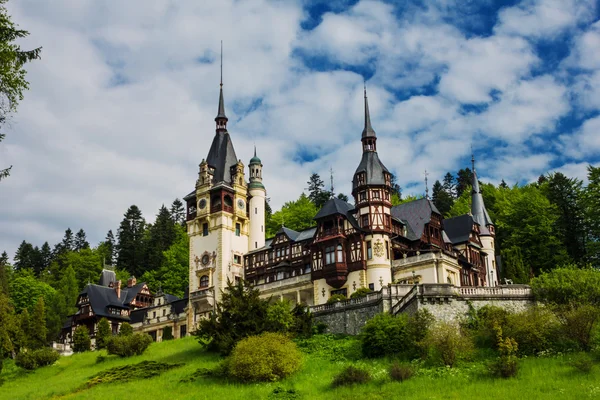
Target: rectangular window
153, 314
330, 255
343, 292
387, 250
369, 251
255, 210
237, 259
256, 245
362, 196
237, 229
371, 286
205, 229
164, 312
376, 194
364, 220
340, 253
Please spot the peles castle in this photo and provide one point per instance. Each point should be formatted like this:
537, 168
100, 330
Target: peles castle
408, 255
370, 244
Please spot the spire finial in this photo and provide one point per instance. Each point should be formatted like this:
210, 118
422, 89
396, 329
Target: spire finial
221, 118
254, 149
221, 63
331, 177
426, 185
368, 130
472, 159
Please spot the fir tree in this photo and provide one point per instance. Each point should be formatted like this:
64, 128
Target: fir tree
396, 189
4, 274
463, 181
449, 184
130, 253
103, 334
442, 200
80, 242
161, 236
67, 242
503, 185
178, 212
24, 257
38, 325
316, 192
46, 257
342, 196
81, 339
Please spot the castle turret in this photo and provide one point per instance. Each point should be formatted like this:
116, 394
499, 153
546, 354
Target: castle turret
486, 228
257, 198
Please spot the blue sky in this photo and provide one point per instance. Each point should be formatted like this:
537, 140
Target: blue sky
121, 107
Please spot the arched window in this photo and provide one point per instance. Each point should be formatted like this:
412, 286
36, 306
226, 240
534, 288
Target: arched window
203, 281
228, 201
340, 254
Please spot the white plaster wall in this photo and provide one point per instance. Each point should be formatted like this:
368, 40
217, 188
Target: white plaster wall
488, 247
257, 219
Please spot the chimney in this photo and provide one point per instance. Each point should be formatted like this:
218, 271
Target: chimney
118, 288
131, 281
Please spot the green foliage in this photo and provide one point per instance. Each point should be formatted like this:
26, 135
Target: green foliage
401, 371
240, 313
103, 334
582, 363
167, 333
418, 326
36, 358
303, 321
385, 335
351, 375
441, 198
360, 292
126, 329
37, 338
514, 267
579, 323
335, 298
506, 365
332, 347
316, 191
536, 330
172, 275
567, 285
280, 317
125, 373
162, 234
591, 205
128, 345
131, 236
267, 357
297, 215
81, 339
25, 290
448, 344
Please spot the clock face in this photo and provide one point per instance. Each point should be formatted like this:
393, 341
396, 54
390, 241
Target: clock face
202, 203
205, 259
240, 204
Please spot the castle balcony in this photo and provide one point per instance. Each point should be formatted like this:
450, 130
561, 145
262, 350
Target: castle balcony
203, 299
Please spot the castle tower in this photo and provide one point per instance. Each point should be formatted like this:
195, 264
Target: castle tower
257, 196
371, 189
486, 228
218, 223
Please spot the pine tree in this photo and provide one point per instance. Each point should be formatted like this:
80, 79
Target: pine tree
38, 325
25, 327
126, 329
449, 184
130, 254
342, 196
67, 242
316, 192
463, 181
442, 200
591, 205
46, 257
4, 274
503, 185
80, 242
81, 339
24, 257
396, 189
161, 236
103, 334
178, 212
69, 288
110, 247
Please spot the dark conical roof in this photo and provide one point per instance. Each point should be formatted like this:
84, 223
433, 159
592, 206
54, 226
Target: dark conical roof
480, 214
374, 168
334, 206
368, 130
221, 157
221, 112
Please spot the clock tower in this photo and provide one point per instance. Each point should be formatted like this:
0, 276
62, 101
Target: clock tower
217, 222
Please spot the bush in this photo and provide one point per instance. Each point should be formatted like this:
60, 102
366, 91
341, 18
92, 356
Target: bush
303, 321
418, 327
81, 339
37, 358
335, 298
448, 345
578, 323
360, 292
506, 365
385, 335
481, 323
127, 346
350, 376
126, 329
267, 357
103, 334
279, 317
167, 333
567, 285
535, 330
401, 372
583, 363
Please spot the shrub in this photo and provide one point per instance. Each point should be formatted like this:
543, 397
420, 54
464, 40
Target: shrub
279, 317
126, 346
481, 322
448, 344
266, 357
506, 365
335, 298
126, 329
303, 321
535, 330
384, 335
401, 372
583, 363
568, 284
578, 323
167, 333
103, 333
81, 339
37, 358
360, 292
350, 376
418, 327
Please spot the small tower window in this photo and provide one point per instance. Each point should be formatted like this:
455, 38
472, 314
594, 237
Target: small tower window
237, 229
369, 251
204, 281
255, 210
340, 253
205, 229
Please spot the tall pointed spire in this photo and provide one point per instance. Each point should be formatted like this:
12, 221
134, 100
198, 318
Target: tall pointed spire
221, 118
368, 130
478, 210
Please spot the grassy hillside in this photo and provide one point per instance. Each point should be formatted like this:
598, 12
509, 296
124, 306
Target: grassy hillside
539, 378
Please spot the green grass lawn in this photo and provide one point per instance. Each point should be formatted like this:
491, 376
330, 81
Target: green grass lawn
539, 378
